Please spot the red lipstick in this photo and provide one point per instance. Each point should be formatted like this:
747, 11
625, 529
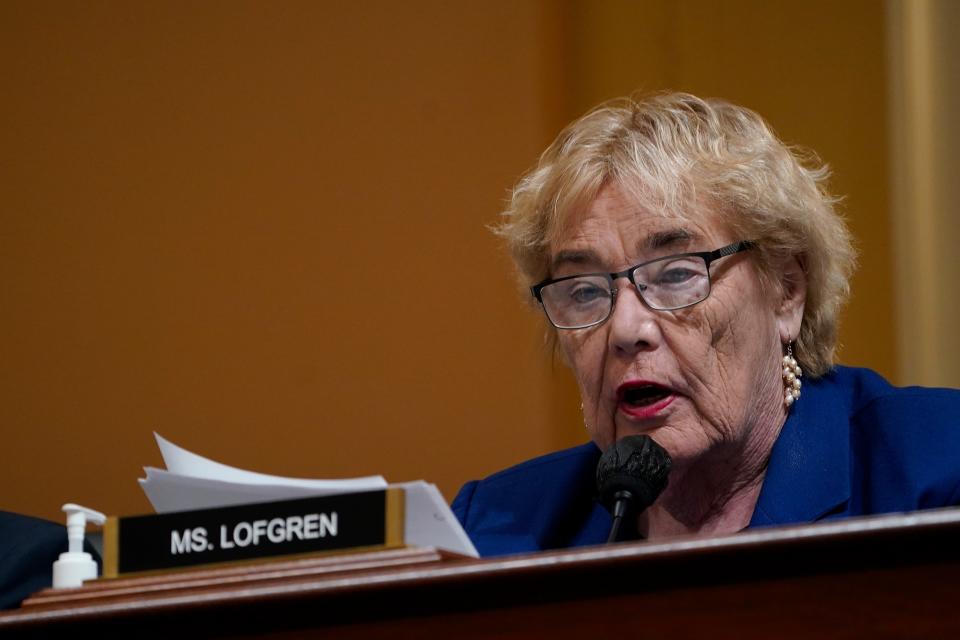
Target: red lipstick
642, 399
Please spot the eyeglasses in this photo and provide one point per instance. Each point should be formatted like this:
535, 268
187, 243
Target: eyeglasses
664, 284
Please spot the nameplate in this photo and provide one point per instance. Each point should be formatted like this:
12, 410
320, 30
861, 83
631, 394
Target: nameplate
244, 533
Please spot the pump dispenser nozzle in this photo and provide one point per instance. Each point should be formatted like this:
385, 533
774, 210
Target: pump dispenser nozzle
75, 565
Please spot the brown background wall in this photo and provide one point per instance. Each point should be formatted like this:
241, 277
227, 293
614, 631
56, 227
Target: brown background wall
259, 228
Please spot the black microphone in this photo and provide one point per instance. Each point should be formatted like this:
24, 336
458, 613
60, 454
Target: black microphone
630, 476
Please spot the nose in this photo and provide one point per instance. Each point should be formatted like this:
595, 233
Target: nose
634, 327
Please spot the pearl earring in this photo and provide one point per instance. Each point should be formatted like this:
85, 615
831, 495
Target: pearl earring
791, 378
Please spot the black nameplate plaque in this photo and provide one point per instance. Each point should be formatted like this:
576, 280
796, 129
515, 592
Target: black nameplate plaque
371, 519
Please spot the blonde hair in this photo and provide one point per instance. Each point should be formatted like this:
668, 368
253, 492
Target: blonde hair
672, 150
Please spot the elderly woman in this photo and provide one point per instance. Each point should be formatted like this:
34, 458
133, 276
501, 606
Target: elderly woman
692, 268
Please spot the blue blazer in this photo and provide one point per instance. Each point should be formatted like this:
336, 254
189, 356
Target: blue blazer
852, 445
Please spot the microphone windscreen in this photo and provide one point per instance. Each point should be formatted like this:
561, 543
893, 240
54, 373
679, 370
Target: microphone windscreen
636, 464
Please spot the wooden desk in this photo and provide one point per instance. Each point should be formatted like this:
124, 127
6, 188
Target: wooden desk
886, 577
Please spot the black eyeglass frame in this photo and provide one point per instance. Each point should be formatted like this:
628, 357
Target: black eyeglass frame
708, 258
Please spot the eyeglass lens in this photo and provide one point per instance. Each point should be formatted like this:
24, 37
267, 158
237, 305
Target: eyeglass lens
671, 283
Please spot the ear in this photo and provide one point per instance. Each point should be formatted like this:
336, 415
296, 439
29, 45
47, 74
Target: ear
793, 296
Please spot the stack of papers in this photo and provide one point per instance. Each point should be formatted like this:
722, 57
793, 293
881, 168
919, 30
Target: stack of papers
191, 481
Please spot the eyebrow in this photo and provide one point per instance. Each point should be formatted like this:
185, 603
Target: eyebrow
668, 238
575, 256
654, 241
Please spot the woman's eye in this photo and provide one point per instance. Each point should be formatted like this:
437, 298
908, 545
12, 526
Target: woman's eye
677, 275
587, 293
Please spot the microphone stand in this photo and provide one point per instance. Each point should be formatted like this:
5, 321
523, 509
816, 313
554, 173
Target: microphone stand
623, 506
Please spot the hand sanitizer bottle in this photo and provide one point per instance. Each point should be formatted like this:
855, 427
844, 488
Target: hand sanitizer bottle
76, 565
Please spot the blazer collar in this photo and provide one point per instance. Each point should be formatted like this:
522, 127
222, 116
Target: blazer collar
808, 475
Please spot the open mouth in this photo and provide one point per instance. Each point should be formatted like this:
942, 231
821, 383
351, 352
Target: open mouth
642, 395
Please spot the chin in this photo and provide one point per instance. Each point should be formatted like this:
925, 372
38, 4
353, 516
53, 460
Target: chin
682, 445
628, 428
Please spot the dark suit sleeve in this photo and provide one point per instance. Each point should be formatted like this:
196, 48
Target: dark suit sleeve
28, 548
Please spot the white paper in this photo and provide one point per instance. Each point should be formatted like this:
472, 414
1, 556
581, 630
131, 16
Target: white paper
175, 492
429, 521
191, 481
187, 463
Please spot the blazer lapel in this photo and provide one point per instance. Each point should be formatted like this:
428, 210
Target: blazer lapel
808, 475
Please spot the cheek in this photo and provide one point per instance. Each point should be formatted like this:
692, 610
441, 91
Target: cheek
585, 353
718, 347
579, 352
696, 339
723, 352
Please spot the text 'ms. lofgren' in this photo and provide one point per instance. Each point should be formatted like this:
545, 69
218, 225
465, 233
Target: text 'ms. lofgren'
244, 534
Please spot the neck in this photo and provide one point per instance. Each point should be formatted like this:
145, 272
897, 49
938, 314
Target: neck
713, 496
728, 514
